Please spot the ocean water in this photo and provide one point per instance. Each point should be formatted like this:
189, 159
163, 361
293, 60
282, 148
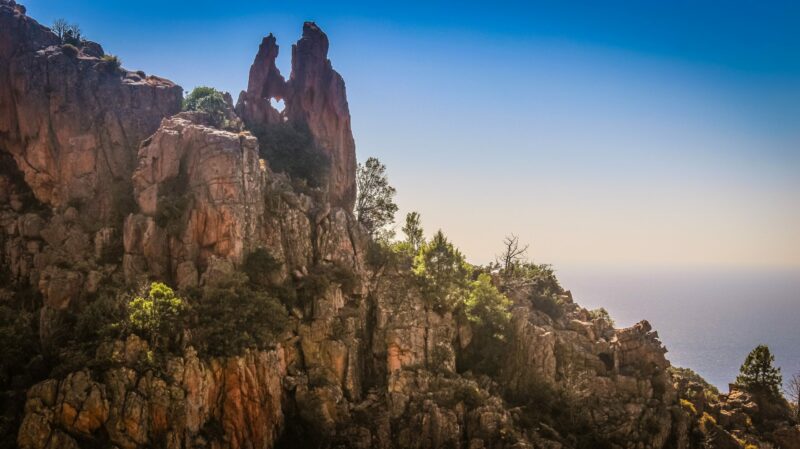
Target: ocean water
709, 320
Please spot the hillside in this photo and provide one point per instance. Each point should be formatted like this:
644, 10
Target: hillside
188, 279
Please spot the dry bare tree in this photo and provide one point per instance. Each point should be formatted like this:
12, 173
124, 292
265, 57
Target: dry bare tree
512, 254
69, 33
792, 392
60, 27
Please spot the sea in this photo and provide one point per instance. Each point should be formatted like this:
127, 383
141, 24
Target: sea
708, 319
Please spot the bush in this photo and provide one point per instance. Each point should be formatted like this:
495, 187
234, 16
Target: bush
470, 395
443, 273
685, 374
172, 204
488, 312
382, 254
111, 63
601, 314
208, 100
320, 278
232, 317
258, 265
18, 342
547, 304
290, 148
706, 422
688, 406
70, 50
102, 320
157, 316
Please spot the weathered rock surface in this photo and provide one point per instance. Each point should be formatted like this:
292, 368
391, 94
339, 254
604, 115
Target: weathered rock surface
70, 126
70, 120
200, 193
196, 403
737, 419
315, 96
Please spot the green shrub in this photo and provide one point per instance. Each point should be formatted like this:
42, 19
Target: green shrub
547, 304
232, 317
172, 203
487, 310
709, 391
70, 50
688, 406
443, 273
320, 278
101, 320
111, 63
601, 314
382, 255
208, 100
289, 148
259, 265
18, 342
538, 278
158, 316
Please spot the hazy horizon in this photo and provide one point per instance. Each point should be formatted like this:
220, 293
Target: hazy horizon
708, 320
647, 135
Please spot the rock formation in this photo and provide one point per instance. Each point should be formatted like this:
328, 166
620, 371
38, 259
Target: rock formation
200, 196
104, 186
70, 126
191, 405
739, 418
314, 96
71, 121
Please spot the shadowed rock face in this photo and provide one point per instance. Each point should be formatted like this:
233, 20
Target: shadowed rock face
315, 96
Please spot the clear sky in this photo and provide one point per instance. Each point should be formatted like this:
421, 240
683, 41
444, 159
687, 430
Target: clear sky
616, 133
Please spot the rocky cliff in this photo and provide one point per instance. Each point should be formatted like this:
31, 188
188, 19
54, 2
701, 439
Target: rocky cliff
314, 96
105, 186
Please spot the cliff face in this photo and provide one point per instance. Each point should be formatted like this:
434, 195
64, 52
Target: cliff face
71, 121
70, 126
200, 196
192, 404
104, 185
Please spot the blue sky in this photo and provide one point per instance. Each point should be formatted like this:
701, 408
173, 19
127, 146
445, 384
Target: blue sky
626, 133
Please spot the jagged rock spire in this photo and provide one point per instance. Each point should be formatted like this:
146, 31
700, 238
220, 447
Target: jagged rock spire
314, 95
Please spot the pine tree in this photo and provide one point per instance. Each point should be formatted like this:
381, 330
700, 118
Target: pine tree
413, 231
757, 372
375, 207
443, 271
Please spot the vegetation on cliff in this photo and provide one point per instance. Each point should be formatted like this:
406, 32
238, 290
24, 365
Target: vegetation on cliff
208, 100
757, 372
